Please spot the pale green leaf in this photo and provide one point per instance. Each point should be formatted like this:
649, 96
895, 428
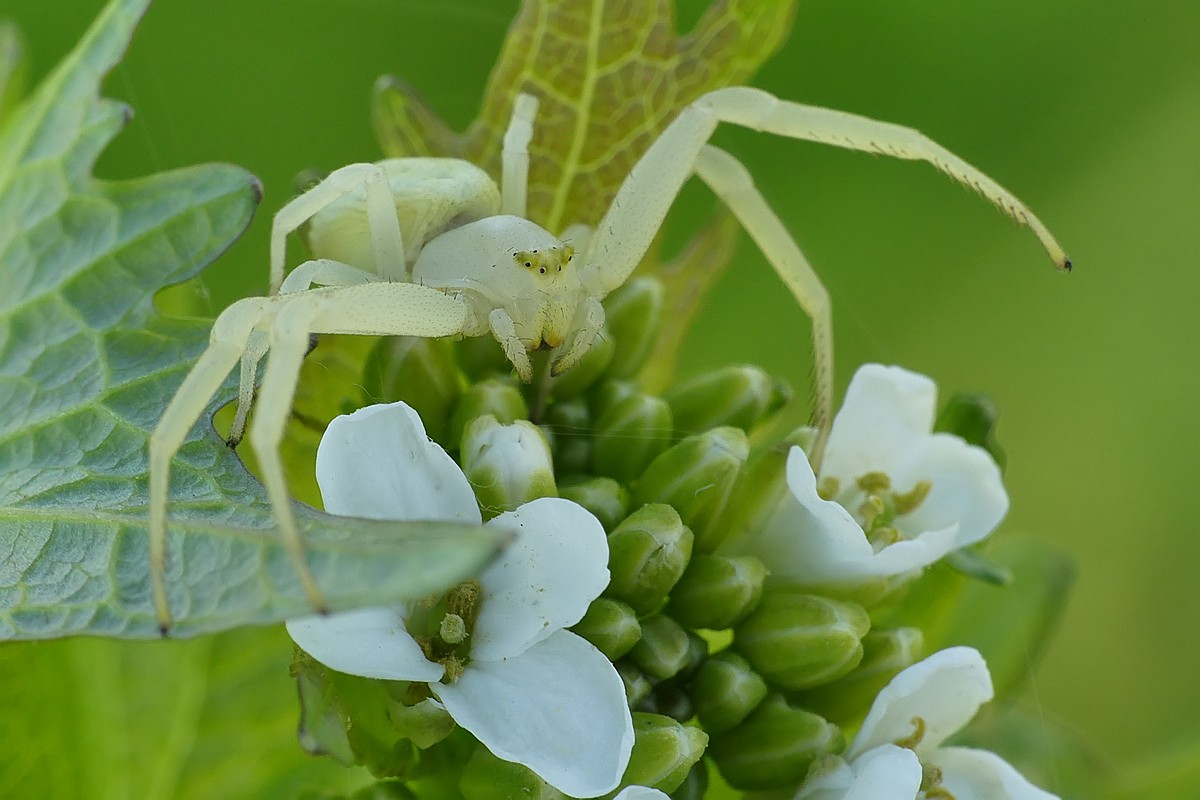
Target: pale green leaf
86, 367
610, 76
212, 717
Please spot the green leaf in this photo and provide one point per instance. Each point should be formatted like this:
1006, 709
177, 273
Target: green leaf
610, 76
86, 367
209, 717
12, 67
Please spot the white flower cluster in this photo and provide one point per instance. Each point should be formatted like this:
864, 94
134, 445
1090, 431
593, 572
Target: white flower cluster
534, 693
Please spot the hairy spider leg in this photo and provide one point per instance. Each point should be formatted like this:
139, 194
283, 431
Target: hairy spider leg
379, 309
641, 203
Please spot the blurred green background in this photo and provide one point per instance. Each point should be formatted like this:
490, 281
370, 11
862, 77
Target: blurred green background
1089, 111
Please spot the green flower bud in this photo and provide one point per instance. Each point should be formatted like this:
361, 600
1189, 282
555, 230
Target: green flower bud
637, 686
633, 312
571, 423
604, 497
487, 777
664, 751
717, 591
607, 394
611, 626
664, 649
422, 373
629, 435
671, 700
507, 465
798, 641
696, 477
695, 785
725, 691
774, 746
481, 358
496, 396
647, 553
384, 790
590, 369
885, 653
972, 417
740, 395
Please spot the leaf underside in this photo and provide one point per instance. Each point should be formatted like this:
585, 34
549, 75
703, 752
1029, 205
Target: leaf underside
86, 367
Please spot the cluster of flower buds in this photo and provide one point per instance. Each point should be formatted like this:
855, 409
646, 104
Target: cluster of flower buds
742, 586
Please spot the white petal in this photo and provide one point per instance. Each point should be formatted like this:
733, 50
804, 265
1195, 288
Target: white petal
544, 581
967, 489
640, 793
980, 775
886, 412
945, 690
378, 463
558, 708
371, 642
883, 773
815, 542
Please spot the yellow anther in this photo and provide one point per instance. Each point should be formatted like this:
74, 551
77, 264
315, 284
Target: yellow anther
918, 735
828, 487
875, 482
908, 502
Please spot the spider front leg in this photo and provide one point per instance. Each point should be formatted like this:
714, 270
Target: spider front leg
230, 334
378, 308
640, 205
320, 271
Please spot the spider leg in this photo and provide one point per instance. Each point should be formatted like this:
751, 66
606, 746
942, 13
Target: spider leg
386, 239
514, 160
322, 271
505, 331
381, 309
731, 182
230, 333
588, 322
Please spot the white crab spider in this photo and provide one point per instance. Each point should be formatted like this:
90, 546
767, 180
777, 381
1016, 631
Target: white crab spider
432, 247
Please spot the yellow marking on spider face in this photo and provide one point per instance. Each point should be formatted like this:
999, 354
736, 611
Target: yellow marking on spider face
552, 259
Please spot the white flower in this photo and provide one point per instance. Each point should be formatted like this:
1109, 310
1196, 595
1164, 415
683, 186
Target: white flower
902, 496
901, 740
640, 793
530, 691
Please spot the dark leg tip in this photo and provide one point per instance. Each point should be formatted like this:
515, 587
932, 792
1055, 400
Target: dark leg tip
164, 630
232, 442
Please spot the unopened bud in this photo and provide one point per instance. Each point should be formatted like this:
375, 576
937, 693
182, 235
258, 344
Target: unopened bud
498, 397
611, 626
487, 777
421, 372
664, 649
570, 424
717, 591
740, 395
972, 417
695, 785
507, 465
647, 552
798, 641
590, 369
664, 751
774, 747
605, 498
630, 434
637, 685
725, 690
671, 700
696, 477
633, 313
607, 394
885, 652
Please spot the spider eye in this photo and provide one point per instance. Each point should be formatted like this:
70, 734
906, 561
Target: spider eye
528, 264
542, 270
